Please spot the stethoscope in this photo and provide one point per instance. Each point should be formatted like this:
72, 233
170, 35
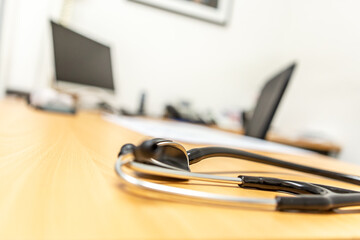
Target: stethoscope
169, 160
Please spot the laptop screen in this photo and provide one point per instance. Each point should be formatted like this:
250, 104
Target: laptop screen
267, 103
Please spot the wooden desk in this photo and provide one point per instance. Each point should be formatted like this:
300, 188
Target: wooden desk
326, 148
58, 182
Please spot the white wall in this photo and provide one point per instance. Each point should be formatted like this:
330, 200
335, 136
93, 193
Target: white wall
2, 83
174, 57
25, 46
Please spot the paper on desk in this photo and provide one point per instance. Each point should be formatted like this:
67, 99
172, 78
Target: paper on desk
197, 134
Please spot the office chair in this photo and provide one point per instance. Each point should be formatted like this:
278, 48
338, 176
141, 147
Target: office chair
266, 106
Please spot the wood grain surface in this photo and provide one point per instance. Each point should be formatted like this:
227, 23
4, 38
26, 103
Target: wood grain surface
58, 182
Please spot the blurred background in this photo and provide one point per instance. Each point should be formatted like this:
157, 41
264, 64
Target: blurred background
218, 64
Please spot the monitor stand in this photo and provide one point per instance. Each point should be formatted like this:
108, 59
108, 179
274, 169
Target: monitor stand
88, 97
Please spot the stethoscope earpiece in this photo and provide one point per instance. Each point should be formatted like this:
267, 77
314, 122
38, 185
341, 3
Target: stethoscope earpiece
162, 153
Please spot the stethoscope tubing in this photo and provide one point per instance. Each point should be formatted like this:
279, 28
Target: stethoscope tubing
197, 154
186, 194
157, 158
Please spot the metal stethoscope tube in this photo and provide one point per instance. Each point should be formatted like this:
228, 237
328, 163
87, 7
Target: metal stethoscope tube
182, 193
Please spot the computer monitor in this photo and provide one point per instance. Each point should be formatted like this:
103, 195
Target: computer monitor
267, 103
81, 60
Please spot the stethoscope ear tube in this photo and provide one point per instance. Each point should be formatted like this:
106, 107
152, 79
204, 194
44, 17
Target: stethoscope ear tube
318, 203
312, 197
197, 154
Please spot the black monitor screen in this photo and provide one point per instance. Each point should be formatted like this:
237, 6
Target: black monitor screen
81, 60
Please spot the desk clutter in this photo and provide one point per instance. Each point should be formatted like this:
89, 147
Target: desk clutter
193, 129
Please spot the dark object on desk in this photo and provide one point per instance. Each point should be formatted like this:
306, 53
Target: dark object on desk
81, 60
183, 112
106, 107
57, 109
18, 94
175, 113
141, 111
269, 99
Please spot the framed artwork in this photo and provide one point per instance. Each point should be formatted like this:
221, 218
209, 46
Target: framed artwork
215, 11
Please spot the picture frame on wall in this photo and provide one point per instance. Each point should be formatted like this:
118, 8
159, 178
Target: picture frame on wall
215, 11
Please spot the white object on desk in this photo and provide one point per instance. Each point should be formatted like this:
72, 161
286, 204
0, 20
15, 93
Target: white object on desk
50, 99
197, 134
